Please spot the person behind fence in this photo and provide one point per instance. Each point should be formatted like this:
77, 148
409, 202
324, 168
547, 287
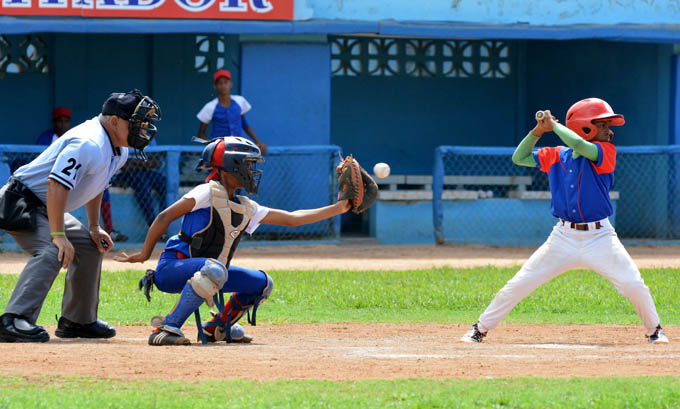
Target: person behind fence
197, 261
580, 176
226, 112
143, 178
34, 204
61, 122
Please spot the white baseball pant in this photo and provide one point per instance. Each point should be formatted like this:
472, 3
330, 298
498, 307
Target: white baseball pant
566, 249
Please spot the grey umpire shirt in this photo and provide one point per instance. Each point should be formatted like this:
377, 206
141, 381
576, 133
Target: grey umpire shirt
83, 160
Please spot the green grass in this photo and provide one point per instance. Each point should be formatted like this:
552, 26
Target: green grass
611, 393
433, 295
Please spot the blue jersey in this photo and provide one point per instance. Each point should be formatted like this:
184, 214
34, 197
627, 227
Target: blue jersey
579, 187
226, 121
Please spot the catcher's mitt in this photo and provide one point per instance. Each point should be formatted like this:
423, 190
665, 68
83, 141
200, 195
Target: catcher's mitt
356, 185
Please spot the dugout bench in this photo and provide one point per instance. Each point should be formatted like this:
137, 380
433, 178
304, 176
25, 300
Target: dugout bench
477, 209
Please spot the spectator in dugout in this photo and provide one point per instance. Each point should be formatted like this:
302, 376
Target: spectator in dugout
61, 122
226, 112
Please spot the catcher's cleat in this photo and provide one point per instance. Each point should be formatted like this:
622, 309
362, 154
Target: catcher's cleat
163, 337
658, 337
238, 335
473, 335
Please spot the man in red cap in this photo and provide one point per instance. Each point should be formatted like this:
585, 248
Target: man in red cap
61, 122
226, 112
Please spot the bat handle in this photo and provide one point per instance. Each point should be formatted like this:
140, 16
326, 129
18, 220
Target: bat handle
540, 115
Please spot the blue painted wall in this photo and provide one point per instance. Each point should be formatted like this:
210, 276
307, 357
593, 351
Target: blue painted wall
467, 222
85, 69
633, 78
400, 120
538, 12
26, 103
88, 68
180, 89
288, 85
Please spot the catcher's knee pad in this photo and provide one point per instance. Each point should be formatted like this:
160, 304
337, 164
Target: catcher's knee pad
209, 280
268, 288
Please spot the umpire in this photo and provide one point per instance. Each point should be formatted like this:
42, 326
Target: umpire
72, 172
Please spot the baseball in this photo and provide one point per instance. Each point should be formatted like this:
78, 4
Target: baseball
381, 170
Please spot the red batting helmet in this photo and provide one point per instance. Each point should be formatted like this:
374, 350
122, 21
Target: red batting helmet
581, 115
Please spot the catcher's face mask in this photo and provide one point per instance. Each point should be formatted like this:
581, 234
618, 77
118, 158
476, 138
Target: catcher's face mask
237, 156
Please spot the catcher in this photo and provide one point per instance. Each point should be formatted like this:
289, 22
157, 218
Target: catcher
196, 262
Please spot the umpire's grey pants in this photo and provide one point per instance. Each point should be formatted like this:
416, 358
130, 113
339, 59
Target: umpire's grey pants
81, 289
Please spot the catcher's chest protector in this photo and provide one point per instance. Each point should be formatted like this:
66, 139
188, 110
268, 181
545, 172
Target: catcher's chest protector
228, 219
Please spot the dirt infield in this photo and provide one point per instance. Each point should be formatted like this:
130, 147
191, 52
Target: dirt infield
365, 255
350, 351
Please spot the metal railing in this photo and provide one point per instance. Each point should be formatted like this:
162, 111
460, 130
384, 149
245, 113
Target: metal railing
645, 191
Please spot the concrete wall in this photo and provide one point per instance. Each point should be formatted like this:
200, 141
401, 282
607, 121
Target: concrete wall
288, 85
538, 12
467, 222
401, 120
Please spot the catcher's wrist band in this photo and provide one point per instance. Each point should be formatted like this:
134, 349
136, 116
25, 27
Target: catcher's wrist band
57, 233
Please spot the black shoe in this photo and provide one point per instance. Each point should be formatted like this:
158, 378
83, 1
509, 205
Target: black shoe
98, 329
14, 328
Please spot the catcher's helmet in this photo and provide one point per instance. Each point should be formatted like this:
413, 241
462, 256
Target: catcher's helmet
140, 111
581, 115
235, 155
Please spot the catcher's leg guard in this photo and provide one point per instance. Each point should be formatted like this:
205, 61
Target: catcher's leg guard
189, 302
236, 306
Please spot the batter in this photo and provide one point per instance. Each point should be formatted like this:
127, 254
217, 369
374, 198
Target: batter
581, 176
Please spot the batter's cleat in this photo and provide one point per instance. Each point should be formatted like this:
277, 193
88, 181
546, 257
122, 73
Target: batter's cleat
163, 337
658, 337
474, 335
98, 329
14, 328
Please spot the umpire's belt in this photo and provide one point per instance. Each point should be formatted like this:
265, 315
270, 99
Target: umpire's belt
582, 226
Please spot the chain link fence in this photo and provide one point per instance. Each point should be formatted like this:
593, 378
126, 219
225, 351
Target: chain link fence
481, 197
299, 177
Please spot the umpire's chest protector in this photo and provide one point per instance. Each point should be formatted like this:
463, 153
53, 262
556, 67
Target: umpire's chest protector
228, 219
